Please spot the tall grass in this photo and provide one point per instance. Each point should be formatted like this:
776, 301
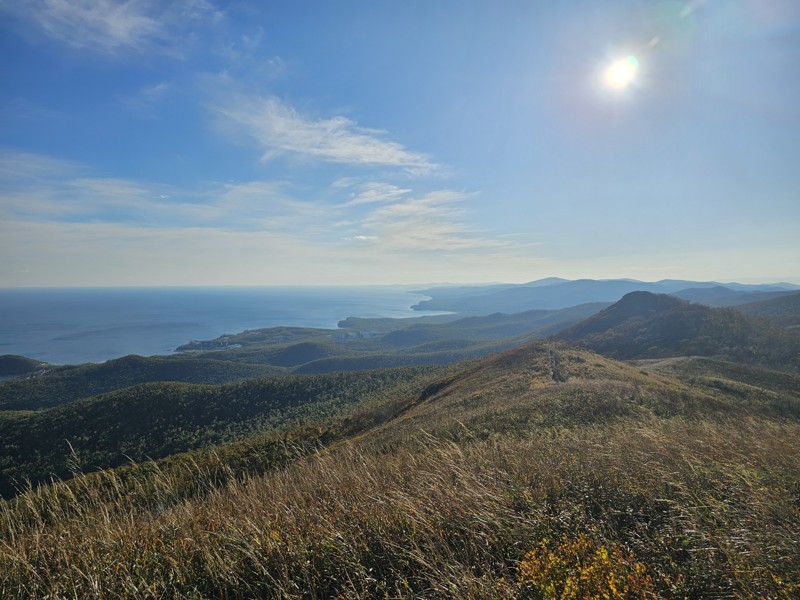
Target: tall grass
675, 508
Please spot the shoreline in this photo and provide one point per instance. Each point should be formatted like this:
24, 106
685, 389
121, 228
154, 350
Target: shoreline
94, 325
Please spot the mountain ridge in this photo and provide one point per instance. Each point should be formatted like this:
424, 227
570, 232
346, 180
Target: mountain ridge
646, 325
520, 297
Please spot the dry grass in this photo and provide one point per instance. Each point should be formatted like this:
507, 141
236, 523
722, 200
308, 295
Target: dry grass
707, 508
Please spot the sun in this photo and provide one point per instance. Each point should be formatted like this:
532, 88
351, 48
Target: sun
621, 73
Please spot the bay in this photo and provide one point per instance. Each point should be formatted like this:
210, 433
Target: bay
77, 325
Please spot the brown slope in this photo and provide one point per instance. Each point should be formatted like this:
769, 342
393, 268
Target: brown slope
542, 385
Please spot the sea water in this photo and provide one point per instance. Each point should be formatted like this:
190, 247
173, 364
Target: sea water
77, 325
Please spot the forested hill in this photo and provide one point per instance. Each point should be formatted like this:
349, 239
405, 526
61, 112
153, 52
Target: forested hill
646, 325
155, 420
784, 310
54, 385
12, 364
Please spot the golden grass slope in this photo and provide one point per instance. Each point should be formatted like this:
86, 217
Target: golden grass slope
544, 472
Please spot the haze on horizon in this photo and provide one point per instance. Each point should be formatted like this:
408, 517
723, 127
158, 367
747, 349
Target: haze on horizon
202, 142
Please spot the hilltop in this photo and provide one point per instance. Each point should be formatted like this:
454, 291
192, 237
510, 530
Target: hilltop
12, 365
646, 325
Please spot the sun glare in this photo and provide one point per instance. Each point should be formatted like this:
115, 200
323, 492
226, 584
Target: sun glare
621, 73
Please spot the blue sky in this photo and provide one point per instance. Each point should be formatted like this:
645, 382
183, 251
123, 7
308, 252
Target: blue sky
353, 142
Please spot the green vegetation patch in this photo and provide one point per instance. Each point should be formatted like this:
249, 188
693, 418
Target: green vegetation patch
158, 419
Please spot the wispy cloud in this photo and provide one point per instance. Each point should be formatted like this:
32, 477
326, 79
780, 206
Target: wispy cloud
433, 221
122, 254
19, 110
279, 128
112, 26
147, 97
62, 225
22, 168
376, 192
267, 206
47, 189
58, 253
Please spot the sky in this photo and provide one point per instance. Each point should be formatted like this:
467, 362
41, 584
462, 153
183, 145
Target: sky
290, 142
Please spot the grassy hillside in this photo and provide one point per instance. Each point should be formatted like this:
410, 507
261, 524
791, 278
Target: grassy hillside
541, 472
748, 382
543, 385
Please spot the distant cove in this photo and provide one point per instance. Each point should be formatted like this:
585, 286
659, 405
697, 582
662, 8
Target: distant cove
77, 325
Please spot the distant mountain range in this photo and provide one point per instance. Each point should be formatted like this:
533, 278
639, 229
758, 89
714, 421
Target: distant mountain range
554, 293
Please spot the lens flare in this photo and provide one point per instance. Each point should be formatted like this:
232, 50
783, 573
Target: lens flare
621, 73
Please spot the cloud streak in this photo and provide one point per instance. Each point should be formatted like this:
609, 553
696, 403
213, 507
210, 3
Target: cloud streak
110, 254
46, 189
280, 129
430, 222
112, 26
60, 224
120, 254
375, 192
21, 168
148, 97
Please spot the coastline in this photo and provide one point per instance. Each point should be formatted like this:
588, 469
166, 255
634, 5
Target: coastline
92, 325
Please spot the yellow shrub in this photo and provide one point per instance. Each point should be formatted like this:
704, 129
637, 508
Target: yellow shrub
580, 569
